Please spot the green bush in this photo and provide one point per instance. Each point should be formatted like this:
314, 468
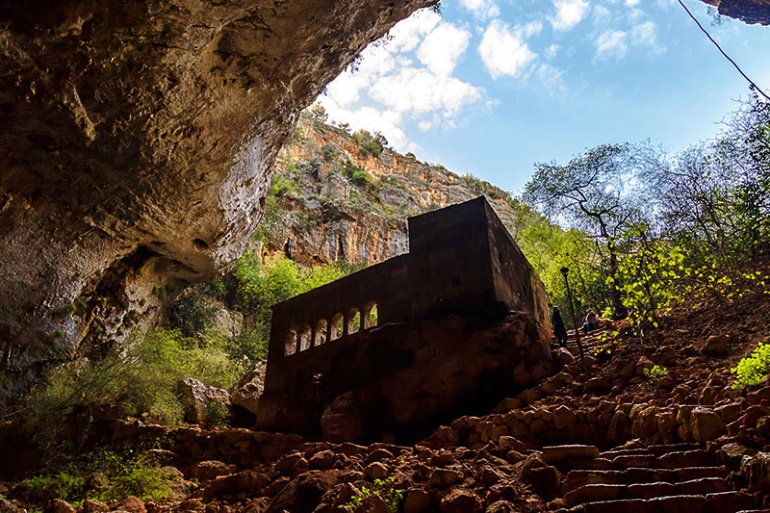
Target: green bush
140, 382
657, 371
122, 476
754, 369
371, 145
383, 488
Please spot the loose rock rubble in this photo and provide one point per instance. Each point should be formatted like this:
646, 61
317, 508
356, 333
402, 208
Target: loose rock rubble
611, 439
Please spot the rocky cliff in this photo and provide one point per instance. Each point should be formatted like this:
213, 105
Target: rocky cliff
342, 196
136, 141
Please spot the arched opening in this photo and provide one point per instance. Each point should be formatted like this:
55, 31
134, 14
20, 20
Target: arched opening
320, 332
305, 338
354, 321
291, 343
338, 326
370, 315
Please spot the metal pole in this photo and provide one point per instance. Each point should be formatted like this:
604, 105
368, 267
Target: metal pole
564, 271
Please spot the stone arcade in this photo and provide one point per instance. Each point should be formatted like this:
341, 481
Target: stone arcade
392, 350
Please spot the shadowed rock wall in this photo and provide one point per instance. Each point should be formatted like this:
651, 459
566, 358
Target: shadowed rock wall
136, 140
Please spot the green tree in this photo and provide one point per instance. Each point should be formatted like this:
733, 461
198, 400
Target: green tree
589, 193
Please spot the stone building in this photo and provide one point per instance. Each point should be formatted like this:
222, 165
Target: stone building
390, 351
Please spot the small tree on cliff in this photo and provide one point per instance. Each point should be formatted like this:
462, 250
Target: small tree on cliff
588, 193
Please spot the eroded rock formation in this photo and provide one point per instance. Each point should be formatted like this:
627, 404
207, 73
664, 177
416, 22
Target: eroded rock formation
323, 213
135, 146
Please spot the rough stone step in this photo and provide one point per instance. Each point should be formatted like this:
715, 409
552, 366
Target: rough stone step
577, 478
557, 453
683, 503
664, 448
604, 492
692, 458
657, 450
726, 502
671, 460
624, 452
730, 502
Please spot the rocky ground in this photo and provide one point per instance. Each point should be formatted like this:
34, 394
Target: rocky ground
609, 439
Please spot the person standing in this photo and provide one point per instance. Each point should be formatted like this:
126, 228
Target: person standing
558, 327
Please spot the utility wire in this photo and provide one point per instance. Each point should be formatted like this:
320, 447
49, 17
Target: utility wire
751, 82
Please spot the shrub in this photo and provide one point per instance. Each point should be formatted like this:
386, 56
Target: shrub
140, 382
361, 178
754, 369
329, 152
141, 476
371, 145
657, 371
383, 488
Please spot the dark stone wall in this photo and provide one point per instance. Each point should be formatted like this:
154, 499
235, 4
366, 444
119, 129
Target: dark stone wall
436, 349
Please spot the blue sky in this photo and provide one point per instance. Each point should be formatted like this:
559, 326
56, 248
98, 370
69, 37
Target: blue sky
490, 87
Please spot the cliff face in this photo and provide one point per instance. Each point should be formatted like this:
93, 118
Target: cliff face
338, 196
136, 142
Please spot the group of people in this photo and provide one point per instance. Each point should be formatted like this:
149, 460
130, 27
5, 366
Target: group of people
589, 323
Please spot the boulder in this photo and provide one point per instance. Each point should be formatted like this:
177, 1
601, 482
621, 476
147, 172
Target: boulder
716, 345
643, 364
544, 479
442, 478
199, 400
460, 500
706, 425
508, 404
756, 397
304, 492
342, 420
58, 506
417, 501
756, 470
250, 388
564, 356
132, 504
209, 469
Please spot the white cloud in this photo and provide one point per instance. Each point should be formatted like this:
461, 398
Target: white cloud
551, 77
632, 3
552, 51
646, 35
407, 79
601, 15
482, 8
407, 34
504, 52
611, 44
418, 91
442, 48
568, 13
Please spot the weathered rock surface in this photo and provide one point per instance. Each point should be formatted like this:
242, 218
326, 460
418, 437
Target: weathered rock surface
136, 141
250, 388
326, 216
199, 400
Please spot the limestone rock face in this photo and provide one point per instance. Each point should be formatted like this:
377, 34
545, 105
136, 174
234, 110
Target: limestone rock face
324, 215
197, 397
136, 140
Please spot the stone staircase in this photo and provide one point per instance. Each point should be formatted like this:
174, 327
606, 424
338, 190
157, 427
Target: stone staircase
654, 479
